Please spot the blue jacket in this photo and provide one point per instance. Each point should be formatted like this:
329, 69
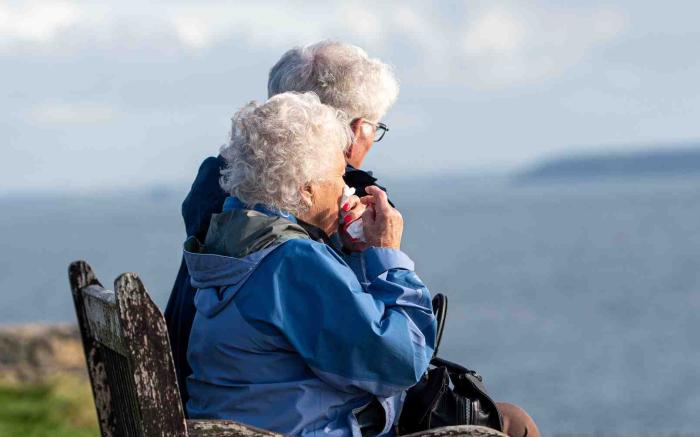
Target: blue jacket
286, 338
204, 199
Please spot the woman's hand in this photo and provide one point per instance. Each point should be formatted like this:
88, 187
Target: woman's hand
383, 224
351, 211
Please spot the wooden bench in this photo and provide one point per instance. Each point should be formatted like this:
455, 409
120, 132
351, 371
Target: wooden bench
131, 367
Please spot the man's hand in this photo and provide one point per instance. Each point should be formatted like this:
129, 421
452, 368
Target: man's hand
383, 224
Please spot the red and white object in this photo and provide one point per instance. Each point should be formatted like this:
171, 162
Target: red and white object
354, 229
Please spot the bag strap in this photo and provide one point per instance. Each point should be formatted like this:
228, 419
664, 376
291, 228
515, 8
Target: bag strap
440, 311
454, 368
461, 377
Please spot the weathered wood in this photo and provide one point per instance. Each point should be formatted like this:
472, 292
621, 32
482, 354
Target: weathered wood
81, 276
461, 430
145, 337
225, 428
103, 317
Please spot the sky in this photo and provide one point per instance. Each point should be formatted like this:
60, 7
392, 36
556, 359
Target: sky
122, 94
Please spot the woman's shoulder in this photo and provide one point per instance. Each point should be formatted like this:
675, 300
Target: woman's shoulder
292, 257
308, 256
307, 267
300, 249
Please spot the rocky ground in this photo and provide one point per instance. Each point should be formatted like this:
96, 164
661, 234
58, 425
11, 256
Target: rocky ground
34, 353
44, 389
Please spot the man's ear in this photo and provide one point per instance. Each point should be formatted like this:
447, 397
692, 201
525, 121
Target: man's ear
357, 128
348, 151
358, 134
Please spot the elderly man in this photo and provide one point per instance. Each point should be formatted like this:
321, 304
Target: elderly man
342, 76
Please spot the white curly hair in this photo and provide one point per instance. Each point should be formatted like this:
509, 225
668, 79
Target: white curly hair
341, 74
280, 146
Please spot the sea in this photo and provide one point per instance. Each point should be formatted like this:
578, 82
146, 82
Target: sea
579, 301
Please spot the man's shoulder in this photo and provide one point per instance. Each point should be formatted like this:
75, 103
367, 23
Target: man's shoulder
209, 170
206, 197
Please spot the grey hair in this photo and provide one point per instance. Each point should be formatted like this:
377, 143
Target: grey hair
280, 146
342, 75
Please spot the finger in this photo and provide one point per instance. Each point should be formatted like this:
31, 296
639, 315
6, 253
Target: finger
349, 218
369, 216
381, 203
367, 200
351, 203
353, 214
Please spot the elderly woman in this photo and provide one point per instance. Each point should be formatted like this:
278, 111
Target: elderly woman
285, 336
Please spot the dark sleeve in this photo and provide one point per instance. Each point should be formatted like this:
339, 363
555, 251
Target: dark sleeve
179, 314
360, 179
205, 198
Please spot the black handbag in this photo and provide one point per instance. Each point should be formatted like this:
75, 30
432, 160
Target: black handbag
448, 394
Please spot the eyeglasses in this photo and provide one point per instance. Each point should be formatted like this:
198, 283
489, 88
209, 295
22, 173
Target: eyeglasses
380, 129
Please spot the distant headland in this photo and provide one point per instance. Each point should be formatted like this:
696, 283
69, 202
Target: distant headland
661, 161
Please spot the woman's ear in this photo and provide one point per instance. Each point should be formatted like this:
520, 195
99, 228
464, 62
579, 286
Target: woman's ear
307, 195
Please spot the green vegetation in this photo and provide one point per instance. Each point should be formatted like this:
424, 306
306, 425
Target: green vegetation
62, 407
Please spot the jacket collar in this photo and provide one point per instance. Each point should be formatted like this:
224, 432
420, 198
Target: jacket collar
232, 203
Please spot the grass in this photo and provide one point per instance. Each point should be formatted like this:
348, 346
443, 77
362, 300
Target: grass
61, 407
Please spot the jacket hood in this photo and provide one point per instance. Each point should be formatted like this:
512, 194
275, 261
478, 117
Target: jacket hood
237, 241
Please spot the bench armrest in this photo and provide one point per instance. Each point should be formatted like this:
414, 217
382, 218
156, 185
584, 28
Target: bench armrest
225, 428
460, 430
228, 428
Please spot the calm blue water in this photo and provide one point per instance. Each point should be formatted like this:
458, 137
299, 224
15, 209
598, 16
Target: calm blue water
580, 302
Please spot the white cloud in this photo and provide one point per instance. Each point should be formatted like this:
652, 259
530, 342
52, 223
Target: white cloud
71, 113
199, 27
192, 33
496, 45
273, 23
507, 44
37, 22
495, 31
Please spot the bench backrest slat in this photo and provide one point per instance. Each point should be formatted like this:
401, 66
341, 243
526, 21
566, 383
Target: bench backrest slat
128, 356
103, 318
